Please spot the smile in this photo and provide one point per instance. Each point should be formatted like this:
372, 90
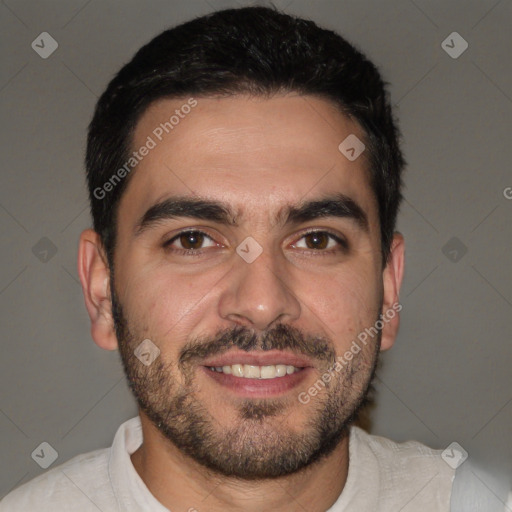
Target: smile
259, 374
248, 371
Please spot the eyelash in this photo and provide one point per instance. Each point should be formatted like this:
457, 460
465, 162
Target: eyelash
318, 252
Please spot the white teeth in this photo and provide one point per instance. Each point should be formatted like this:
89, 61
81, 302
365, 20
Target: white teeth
281, 370
252, 372
237, 370
268, 372
249, 371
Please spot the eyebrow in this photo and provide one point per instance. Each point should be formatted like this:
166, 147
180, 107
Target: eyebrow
339, 205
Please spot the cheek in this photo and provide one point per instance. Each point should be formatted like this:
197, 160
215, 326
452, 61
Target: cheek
168, 304
345, 303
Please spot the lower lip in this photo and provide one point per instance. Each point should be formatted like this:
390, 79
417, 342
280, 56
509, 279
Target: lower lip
259, 388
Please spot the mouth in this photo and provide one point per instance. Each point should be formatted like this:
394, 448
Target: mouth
258, 374
249, 371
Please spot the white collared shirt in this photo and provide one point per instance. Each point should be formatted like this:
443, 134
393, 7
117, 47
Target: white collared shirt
383, 476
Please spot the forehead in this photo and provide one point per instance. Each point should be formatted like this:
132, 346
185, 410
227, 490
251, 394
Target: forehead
256, 154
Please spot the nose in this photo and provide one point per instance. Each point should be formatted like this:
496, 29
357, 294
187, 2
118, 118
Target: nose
259, 294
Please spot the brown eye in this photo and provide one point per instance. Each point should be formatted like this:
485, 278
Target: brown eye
318, 240
321, 242
191, 240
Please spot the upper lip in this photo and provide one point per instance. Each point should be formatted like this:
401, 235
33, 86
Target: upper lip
267, 358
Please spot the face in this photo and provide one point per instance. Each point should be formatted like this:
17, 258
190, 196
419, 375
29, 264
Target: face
248, 252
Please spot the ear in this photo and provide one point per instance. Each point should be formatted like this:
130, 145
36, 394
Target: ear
95, 278
392, 281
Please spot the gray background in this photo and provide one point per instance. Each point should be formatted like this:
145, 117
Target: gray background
448, 378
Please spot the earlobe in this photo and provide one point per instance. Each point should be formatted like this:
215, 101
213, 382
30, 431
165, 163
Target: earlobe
392, 280
95, 278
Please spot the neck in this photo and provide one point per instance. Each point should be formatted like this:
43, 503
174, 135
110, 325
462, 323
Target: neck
180, 483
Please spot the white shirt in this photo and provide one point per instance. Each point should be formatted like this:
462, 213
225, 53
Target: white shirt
383, 476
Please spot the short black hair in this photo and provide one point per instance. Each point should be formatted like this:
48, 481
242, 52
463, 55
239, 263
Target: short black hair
253, 50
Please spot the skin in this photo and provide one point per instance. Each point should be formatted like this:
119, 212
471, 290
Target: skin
258, 155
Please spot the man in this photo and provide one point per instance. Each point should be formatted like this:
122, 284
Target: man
244, 174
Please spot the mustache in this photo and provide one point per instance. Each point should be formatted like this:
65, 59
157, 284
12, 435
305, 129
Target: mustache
281, 337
